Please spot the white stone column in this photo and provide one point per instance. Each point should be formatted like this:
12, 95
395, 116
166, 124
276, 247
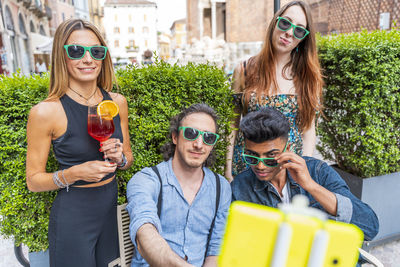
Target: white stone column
214, 19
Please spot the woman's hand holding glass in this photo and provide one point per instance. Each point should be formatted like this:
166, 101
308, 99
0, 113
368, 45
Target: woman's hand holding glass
112, 149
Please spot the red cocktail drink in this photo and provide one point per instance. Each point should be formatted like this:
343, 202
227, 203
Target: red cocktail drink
100, 128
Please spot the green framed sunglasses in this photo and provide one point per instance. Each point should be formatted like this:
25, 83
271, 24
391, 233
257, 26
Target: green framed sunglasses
298, 31
269, 162
191, 134
97, 52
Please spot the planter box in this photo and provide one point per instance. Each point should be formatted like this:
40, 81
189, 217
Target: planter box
382, 194
39, 259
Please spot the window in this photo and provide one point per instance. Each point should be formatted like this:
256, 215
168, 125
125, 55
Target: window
32, 27
21, 23
41, 30
145, 30
116, 29
131, 43
131, 30
116, 43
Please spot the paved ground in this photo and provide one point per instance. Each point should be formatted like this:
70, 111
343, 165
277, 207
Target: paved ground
7, 257
388, 254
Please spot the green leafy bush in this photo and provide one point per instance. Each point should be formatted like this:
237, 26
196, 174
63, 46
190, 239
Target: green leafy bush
362, 99
154, 94
24, 214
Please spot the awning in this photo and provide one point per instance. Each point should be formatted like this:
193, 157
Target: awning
41, 44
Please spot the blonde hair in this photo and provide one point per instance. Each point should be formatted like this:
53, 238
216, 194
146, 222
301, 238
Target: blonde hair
59, 73
305, 68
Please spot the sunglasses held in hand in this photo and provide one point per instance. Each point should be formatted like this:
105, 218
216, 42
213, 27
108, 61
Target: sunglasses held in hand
97, 52
192, 134
285, 25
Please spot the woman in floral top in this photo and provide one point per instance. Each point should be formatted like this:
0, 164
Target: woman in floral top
285, 75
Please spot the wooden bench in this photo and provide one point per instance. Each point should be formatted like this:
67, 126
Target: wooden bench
126, 247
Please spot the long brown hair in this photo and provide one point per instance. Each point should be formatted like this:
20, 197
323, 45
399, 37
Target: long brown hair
307, 78
59, 73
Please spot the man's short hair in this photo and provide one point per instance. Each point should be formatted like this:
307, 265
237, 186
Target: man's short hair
168, 150
264, 125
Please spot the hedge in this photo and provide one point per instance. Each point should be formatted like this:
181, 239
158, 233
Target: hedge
362, 100
154, 93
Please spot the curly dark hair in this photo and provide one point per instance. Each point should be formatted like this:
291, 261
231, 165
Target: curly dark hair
264, 125
168, 149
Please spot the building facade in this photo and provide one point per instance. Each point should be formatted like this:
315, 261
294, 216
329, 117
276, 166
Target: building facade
23, 25
178, 37
242, 24
345, 16
81, 9
130, 28
164, 46
61, 10
244, 21
96, 14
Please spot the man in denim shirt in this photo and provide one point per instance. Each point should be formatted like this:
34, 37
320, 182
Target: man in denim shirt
189, 190
276, 174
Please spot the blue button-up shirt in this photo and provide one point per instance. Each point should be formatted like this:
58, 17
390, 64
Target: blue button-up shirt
247, 187
185, 227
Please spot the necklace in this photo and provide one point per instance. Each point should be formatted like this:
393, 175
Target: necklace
87, 99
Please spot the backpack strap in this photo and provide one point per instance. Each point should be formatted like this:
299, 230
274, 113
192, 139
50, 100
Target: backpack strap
217, 198
159, 202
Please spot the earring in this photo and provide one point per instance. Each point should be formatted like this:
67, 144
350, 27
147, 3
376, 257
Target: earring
297, 49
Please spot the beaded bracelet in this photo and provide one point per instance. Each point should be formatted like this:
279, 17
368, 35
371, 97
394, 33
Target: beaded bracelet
65, 180
57, 180
123, 163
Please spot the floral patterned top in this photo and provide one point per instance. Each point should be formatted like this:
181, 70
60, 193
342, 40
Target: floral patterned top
285, 103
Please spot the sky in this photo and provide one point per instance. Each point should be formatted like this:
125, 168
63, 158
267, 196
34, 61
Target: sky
169, 11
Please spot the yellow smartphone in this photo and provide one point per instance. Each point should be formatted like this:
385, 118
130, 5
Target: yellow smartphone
344, 241
250, 235
304, 229
260, 236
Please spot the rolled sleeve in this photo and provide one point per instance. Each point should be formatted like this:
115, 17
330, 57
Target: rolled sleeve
350, 209
220, 220
142, 193
344, 208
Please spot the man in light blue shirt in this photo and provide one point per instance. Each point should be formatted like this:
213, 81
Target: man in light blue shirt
194, 201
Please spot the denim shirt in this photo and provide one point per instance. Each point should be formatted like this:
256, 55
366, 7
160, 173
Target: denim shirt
247, 187
185, 227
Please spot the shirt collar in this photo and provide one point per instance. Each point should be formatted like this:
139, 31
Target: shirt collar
173, 181
259, 185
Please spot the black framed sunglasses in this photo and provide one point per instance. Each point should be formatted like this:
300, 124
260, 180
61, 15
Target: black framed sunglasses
285, 25
192, 134
97, 52
269, 162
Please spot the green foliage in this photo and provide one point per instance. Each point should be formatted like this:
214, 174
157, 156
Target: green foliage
362, 100
154, 93
24, 214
